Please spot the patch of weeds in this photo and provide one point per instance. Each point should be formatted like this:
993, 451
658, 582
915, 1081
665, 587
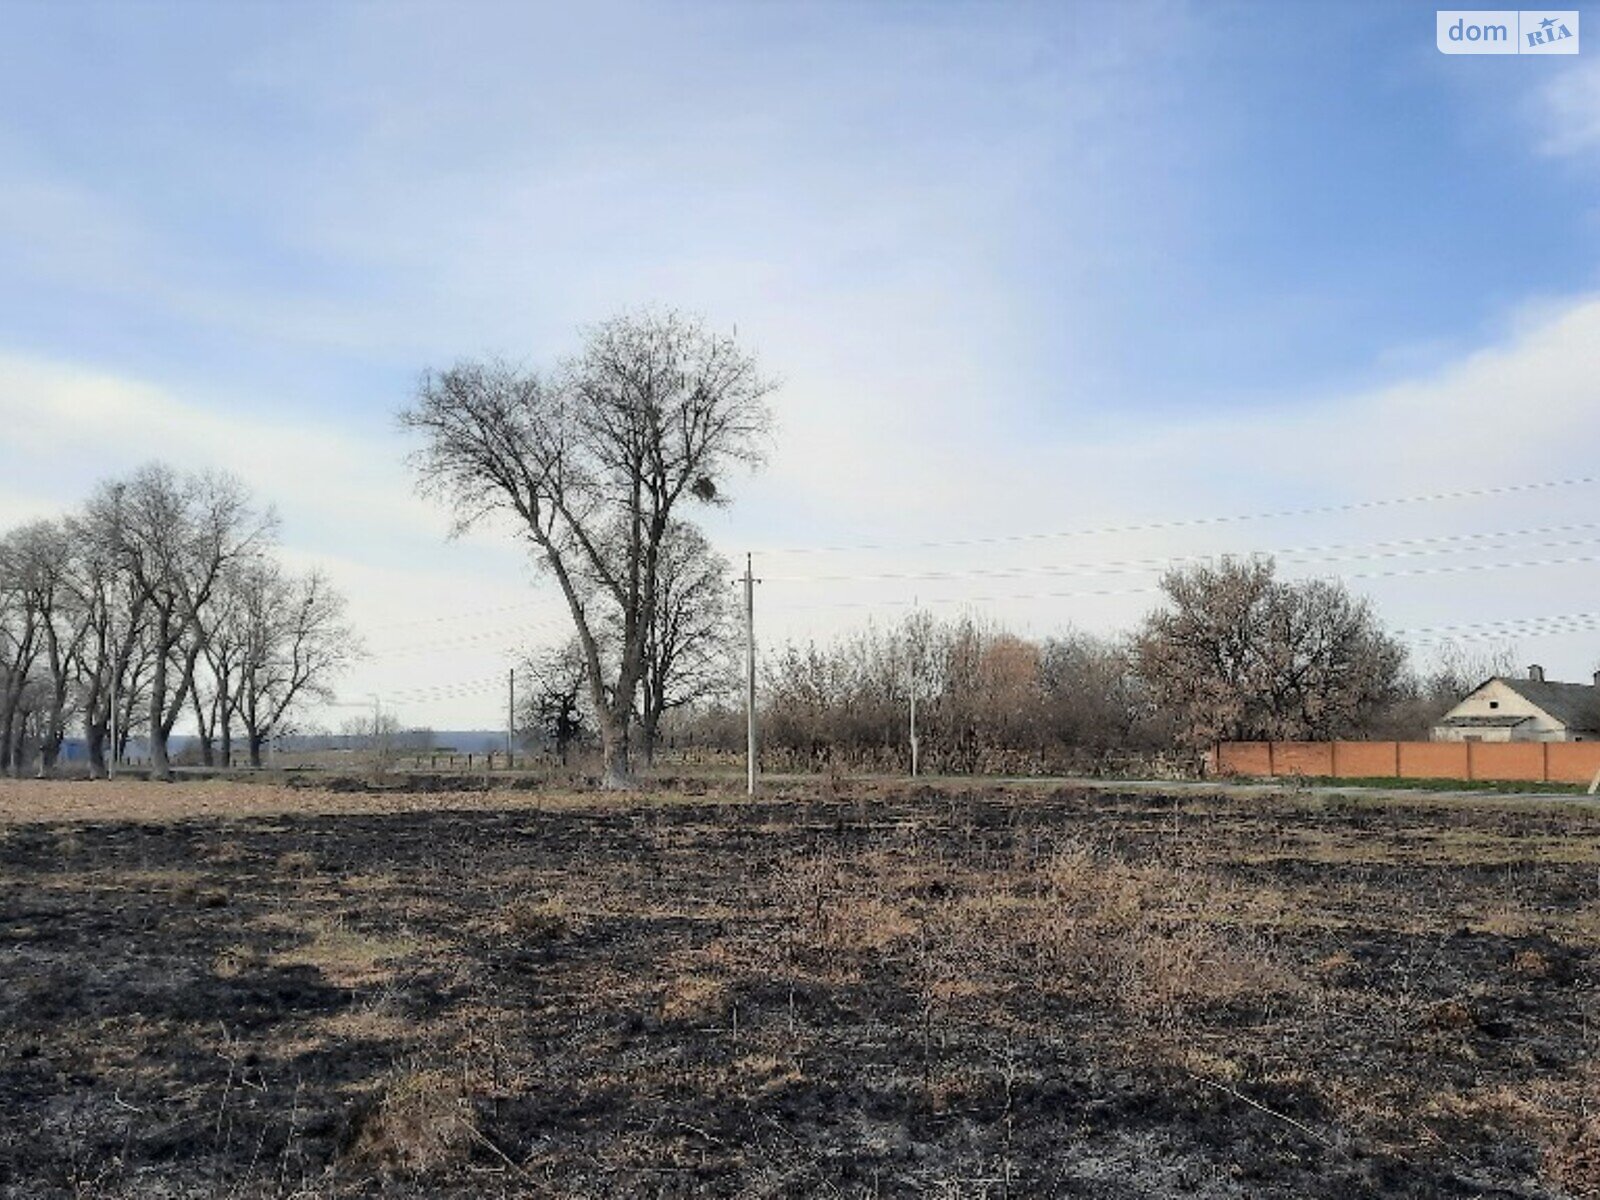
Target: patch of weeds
347, 957
421, 1120
297, 862
536, 919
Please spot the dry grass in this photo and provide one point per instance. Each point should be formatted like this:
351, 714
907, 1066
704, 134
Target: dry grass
422, 1120
632, 991
347, 957
534, 919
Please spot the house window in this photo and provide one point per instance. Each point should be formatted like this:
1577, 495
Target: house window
1494, 704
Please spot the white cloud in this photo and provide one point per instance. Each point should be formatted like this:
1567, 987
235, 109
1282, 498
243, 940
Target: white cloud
1567, 112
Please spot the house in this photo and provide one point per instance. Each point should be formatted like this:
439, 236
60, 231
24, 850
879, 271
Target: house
1524, 710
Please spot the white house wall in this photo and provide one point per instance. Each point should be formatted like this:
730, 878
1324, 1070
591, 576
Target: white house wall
1495, 699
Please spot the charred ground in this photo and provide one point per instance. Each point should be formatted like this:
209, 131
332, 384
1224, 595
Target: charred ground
877, 992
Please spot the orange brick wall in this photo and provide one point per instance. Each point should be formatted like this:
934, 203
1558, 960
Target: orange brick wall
1433, 760
1527, 762
1574, 762
1365, 760
1243, 758
1505, 760
1303, 758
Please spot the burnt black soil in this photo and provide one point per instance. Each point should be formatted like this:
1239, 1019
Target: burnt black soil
581, 980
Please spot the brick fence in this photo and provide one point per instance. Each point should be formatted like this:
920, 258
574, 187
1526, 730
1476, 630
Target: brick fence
1518, 762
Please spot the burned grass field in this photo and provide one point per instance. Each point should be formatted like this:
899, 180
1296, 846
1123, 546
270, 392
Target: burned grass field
868, 992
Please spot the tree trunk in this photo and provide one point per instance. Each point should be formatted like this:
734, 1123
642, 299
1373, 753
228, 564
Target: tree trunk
614, 749
648, 726
94, 737
255, 740
8, 742
160, 768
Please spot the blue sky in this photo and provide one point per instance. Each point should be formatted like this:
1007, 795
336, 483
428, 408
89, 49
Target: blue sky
1021, 267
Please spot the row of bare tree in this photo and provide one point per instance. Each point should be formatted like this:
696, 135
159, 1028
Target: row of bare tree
159, 597
1233, 654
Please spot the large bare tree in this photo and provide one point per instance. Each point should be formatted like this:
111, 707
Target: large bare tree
1238, 654
593, 462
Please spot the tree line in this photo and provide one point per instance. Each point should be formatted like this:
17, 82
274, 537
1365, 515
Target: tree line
160, 597
1233, 653
596, 461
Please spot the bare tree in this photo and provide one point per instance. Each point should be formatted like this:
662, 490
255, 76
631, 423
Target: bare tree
63, 622
110, 663
179, 534
593, 464
553, 706
21, 642
224, 640
688, 644
1240, 655
292, 640
1092, 696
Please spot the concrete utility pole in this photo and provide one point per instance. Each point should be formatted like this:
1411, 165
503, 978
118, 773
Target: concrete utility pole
750, 672
511, 712
911, 670
111, 768
913, 721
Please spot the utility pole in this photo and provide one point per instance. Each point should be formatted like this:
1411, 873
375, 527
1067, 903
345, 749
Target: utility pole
111, 769
913, 720
511, 712
911, 670
750, 672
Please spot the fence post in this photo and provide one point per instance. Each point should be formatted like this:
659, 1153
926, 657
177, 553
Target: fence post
1333, 758
1472, 773
1546, 746
1397, 760
1272, 764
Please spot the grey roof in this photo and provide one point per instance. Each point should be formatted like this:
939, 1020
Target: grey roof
1496, 722
1575, 705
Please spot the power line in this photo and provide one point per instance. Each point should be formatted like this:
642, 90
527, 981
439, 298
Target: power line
1194, 522
1516, 627
1302, 555
1148, 591
506, 637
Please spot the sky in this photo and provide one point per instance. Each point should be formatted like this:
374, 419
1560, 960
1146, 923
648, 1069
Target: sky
1049, 288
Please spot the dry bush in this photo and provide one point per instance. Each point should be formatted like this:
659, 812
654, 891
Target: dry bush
693, 998
236, 961
1531, 964
347, 957
297, 862
536, 919
422, 1120
1166, 972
